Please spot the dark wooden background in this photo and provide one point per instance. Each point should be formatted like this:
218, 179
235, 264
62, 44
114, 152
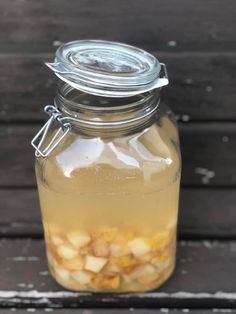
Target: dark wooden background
196, 39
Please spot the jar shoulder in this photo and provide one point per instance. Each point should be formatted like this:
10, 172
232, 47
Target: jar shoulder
148, 155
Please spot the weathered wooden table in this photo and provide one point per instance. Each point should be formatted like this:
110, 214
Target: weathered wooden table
196, 39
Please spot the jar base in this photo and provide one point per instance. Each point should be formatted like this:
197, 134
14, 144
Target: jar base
133, 287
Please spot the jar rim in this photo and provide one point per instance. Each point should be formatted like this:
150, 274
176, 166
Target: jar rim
64, 90
107, 68
137, 108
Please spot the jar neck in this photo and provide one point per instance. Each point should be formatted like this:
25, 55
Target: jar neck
91, 113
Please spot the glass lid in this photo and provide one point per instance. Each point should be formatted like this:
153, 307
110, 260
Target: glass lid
108, 68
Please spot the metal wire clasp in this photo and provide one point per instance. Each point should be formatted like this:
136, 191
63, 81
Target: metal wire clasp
37, 141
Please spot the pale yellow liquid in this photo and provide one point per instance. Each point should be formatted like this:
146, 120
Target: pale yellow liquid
129, 184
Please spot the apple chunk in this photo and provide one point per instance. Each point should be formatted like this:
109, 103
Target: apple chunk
100, 248
56, 240
62, 273
78, 239
95, 264
81, 277
138, 247
66, 251
74, 263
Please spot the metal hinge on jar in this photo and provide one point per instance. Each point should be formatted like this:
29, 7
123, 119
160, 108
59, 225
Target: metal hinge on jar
38, 140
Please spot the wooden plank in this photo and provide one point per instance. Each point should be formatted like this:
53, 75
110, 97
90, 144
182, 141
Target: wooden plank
204, 278
158, 23
204, 213
207, 213
202, 86
26, 85
20, 213
208, 151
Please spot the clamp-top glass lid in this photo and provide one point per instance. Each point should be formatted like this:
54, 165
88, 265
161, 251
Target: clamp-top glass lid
108, 68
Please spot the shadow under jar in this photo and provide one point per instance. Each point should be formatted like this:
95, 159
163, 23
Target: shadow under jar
108, 170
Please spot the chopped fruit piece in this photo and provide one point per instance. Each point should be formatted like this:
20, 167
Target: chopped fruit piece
78, 239
156, 261
62, 273
146, 257
115, 250
110, 281
95, 264
119, 249
56, 240
160, 240
166, 264
142, 271
100, 248
109, 234
126, 278
113, 268
126, 261
164, 257
161, 264
66, 252
84, 250
58, 259
110, 260
107, 281
138, 247
82, 277
149, 279
74, 263
96, 281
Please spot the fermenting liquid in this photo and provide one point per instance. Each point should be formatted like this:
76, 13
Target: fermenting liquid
109, 209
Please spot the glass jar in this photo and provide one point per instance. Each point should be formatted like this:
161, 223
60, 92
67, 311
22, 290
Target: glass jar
108, 170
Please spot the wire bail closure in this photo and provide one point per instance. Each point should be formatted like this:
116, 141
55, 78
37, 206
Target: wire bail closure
38, 140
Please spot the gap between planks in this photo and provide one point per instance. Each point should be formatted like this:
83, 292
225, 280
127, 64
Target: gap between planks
191, 47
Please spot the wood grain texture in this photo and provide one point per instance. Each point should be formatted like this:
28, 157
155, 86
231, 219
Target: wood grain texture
135, 21
25, 280
204, 213
208, 151
202, 85
207, 213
